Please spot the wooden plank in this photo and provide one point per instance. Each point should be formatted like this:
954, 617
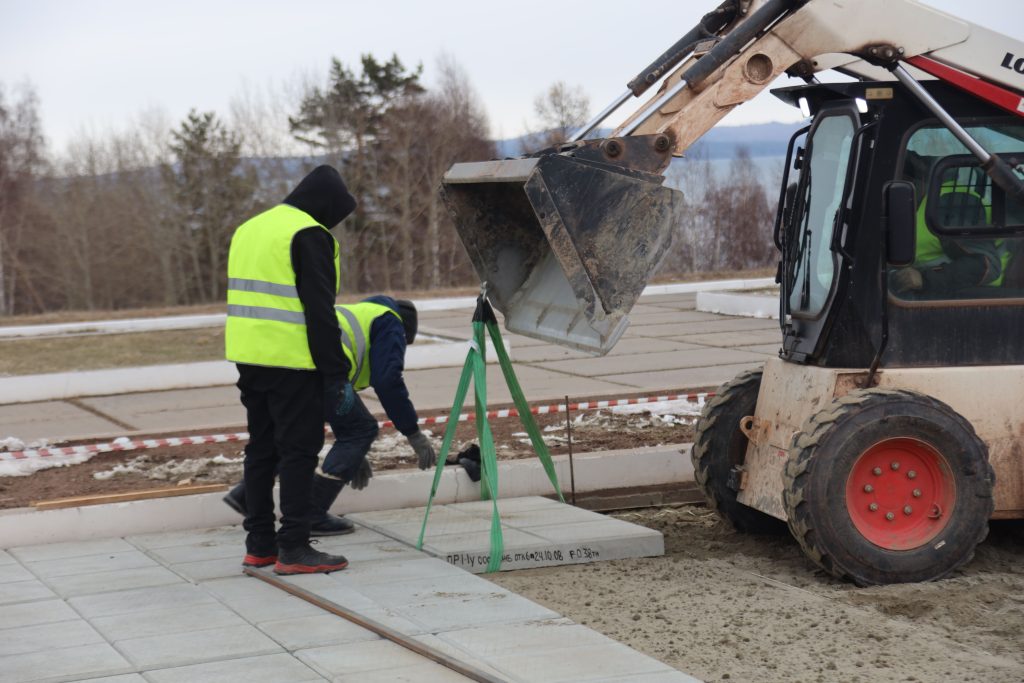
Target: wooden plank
101, 499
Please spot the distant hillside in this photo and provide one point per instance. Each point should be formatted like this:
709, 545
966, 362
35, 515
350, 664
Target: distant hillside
762, 140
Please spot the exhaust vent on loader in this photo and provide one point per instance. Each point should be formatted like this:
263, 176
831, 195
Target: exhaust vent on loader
565, 244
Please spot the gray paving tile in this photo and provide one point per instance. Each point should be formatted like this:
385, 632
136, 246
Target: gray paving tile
26, 639
124, 678
39, 612
89, 564
167, 539
315, 631
262, 669
119, 580
401, 570
141, 600
194, 647
175, 409
427, 672
205, 570
157, 622
14, 572
56, 551
579, 664
257, 602
651, 362
5, 558
83, 661
662, 316
333, 661
465, 657
52, 419
526, 519
734, 339
214, 549
459, 589
23, 591
494, 608
680, 330
767, 349
687, 378
663, 677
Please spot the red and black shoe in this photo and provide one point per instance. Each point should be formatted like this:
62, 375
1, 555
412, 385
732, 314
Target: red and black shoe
253, 560
304, 560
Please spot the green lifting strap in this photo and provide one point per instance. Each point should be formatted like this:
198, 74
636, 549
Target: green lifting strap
475, 368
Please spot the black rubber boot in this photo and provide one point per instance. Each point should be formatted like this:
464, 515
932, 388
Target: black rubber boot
304, 560
325, 491
235, 498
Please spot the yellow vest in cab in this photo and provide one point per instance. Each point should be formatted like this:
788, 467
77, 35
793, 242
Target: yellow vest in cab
266, 323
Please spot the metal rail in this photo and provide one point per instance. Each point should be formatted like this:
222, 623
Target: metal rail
470, 672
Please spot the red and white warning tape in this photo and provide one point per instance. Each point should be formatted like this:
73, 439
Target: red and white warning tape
125, 444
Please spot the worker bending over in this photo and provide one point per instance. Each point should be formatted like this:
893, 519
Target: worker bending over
375, 333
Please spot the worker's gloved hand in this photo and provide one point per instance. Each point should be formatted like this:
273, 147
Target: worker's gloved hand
361, 479
424, 451
906, 280
339, 397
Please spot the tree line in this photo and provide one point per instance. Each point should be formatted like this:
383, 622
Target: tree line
144, 216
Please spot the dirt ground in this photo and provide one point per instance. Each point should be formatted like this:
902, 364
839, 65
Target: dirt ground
724, 606
127, 471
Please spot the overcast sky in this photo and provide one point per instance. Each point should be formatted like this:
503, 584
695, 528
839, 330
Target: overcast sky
96, 64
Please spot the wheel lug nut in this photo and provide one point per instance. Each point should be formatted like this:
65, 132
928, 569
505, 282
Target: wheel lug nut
889, 516
911, 474
873, 507
917, 493
877, 471
868, 488
907, 510
895, 466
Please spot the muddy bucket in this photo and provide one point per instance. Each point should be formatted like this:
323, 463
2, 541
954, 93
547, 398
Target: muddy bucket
564, 244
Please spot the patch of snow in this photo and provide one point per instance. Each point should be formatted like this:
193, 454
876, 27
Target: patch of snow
11, 443
23, 468
675, 408
174, 470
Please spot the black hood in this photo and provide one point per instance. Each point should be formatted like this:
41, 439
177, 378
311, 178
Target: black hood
323, 195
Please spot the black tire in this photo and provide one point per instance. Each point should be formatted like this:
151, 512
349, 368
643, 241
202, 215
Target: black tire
832, 502
719, 446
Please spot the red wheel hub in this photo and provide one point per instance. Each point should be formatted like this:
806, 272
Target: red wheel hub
900, 493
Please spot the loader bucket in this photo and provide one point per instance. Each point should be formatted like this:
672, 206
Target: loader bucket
565, 245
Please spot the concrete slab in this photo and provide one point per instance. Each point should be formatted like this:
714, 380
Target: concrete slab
165, 411
262, 669
5, 558
28, 614
125, 678
735, 339
617, 366
686, 377
165, 621
104, 582
537, 532
141, 600
315, 631
22, 640
64, 663
50, 420
627, 346
57, 551
195, 647
23, 591
89, 564
14, 572
365, 658
257, 602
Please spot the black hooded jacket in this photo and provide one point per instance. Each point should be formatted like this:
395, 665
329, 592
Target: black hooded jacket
323, 195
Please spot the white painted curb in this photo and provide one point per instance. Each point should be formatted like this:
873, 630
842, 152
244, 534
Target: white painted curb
747, 305
387, 491
64, 385
186, 322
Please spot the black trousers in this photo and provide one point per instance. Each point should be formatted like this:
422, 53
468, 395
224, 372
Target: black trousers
285, 411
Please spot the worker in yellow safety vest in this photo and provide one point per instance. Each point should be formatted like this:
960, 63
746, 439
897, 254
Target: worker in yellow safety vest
282, 332
375, 334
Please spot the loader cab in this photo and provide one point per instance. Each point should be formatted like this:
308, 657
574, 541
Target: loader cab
874, 174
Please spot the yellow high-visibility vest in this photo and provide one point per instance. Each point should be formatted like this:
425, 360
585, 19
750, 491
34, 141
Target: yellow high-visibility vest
355, 321
266, 322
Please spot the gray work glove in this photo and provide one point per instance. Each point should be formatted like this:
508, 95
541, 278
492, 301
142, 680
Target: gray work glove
426, 457
361, 479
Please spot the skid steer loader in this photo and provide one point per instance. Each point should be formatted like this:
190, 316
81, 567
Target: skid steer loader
891, 427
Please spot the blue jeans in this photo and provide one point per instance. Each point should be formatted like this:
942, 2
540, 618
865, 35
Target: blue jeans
353, 435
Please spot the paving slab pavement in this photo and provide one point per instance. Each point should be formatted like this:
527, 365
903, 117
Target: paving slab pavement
668, 347
232, 627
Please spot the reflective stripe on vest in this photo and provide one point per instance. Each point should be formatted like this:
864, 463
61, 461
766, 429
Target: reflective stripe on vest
266, 322
355, 321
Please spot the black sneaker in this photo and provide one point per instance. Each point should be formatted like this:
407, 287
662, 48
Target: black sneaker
259, 551
304, 560
331, 525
